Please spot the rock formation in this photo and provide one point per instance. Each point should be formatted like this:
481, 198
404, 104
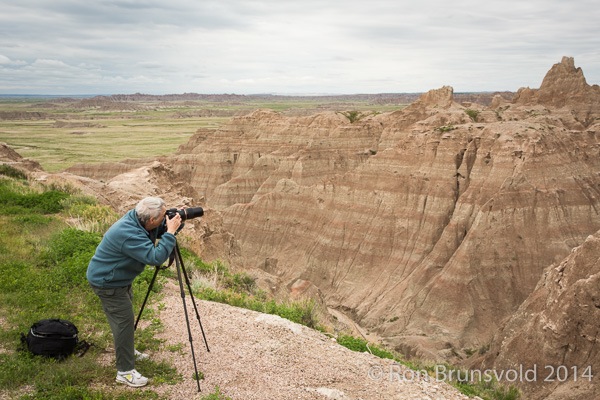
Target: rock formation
430, 225
564, 87
555, 333
11, 157
425, 196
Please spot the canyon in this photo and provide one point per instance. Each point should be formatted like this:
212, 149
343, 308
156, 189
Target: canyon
453, 231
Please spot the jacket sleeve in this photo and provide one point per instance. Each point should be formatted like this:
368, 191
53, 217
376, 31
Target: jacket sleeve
143, 250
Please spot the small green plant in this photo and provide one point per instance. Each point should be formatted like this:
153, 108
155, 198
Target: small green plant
175, 348
484, 349
353, 116
216, 395
198, 376
361, 345
241, 282
446, 128
473, 114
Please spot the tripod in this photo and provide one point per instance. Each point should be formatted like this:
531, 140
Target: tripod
180, 271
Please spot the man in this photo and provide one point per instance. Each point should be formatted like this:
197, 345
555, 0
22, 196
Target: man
126, 248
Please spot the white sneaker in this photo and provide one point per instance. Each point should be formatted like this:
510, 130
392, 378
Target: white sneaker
140, 356
132, 378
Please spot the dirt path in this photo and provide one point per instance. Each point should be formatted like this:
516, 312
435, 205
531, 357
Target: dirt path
260, 356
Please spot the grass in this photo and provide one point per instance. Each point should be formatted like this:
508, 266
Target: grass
487, 390
67, 137
59, 148
43, 262
214, 282
216, 395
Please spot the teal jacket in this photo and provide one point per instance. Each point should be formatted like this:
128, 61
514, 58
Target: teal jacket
125, 250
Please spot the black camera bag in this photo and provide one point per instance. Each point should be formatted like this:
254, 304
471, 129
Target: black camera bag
54, 338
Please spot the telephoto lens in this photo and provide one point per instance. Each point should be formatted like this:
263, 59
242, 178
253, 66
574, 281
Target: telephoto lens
186, 213
191, 213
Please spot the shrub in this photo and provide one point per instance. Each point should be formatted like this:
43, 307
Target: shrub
87, 215
24, 200
353, 116
70, 243
473, 114
12, 172
446, 128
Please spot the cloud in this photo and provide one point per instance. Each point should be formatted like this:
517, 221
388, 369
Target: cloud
121, 46
5, 61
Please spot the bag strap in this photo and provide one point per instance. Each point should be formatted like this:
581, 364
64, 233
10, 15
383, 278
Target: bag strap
23, 341
82, 347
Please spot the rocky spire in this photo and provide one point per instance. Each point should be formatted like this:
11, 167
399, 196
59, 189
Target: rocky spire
564, 87
442, 97
563, 84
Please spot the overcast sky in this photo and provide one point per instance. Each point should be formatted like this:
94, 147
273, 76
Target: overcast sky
290, 46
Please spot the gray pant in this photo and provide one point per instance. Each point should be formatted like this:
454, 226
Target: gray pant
118, 307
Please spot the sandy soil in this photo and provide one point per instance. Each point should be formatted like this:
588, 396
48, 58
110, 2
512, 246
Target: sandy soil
260, 356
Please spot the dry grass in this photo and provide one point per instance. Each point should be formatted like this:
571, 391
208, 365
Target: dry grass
112, 139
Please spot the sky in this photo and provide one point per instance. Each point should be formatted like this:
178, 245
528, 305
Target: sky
68, 47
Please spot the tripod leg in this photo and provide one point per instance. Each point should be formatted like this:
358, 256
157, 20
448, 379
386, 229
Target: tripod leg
187, 320
189, 286
146, 298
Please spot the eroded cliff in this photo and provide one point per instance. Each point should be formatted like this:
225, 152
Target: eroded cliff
554, 333
430, 225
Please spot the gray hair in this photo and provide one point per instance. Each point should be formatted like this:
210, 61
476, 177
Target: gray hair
149, 207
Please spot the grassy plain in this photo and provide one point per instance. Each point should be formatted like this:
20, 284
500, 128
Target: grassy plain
59, 132
63, 137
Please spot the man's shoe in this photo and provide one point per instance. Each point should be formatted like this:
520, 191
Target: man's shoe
140, 356
132, 378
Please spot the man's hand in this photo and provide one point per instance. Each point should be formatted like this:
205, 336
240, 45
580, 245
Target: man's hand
173, 223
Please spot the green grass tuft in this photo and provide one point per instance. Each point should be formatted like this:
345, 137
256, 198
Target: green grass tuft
216, 395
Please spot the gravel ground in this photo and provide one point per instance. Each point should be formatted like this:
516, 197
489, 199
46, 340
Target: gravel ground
260, 356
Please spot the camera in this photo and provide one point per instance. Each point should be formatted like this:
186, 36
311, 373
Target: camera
185, 213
